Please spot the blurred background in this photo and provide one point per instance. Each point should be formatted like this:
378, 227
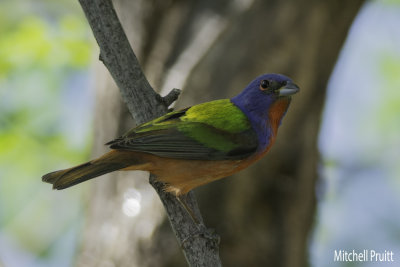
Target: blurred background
45, 122
58, 106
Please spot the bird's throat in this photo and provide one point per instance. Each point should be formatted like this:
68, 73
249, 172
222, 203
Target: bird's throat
277, 111
275, 114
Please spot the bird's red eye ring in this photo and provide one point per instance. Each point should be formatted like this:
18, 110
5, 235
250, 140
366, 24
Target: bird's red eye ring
264, 84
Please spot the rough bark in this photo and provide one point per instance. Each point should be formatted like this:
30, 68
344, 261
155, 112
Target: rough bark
212, 49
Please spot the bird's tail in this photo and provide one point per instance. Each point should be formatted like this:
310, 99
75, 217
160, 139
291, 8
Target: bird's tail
107, 163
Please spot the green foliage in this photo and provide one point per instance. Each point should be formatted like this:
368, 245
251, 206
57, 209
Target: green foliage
389, 113
390, 2
33, 44
38, 57
390, 110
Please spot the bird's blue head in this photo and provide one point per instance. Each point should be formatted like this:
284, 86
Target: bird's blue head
262, 92
266, 97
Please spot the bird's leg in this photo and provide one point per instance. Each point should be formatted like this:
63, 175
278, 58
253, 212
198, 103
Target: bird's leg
203, 231
182, 200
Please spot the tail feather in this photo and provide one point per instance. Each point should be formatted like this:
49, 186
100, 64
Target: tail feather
66, 178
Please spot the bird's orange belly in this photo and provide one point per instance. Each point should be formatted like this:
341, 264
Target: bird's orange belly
181, 176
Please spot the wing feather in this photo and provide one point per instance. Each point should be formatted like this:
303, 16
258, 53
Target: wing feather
173, 136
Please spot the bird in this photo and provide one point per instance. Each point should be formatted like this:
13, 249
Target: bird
196, 145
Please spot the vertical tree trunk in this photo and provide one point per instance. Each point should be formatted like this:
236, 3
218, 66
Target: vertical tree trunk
213, 49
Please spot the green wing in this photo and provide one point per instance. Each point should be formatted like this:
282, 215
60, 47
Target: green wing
214, 130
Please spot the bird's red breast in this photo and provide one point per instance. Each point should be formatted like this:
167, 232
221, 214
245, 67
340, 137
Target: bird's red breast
275, 115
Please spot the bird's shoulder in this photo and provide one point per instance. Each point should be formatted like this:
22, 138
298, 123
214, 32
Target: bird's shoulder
220, 114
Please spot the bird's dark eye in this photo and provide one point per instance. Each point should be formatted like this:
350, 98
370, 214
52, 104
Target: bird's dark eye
264, 84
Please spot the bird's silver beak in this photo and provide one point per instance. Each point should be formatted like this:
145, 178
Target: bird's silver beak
289, 89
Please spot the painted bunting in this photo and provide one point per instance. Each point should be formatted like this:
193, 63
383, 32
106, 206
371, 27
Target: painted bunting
196, 145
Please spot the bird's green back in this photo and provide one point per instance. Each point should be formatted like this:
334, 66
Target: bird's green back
212, 130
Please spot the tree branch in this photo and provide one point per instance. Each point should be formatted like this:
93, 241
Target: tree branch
144, 103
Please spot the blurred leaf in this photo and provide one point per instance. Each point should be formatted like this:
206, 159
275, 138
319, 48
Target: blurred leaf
390, 2
73, 40
389, 111
34, 44
39, 56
